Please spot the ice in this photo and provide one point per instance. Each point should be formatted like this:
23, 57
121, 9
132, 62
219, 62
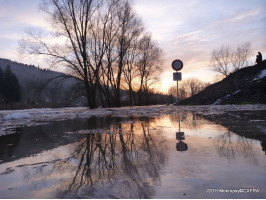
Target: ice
10, 119
16, 116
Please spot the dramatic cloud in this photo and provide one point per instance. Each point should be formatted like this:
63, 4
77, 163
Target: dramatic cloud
188, 30
191, 30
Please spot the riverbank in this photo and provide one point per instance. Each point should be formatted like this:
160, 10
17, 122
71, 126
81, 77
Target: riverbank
11, 119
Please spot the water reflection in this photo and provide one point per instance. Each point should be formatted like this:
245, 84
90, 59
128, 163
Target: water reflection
243, 130
263, 145
28, 141
181, 146
129, 160
232, 146
110, 158
180, 136
188, 120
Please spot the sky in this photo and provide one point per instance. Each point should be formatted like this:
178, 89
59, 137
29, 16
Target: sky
185, 30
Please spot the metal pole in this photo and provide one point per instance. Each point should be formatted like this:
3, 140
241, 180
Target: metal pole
177, 95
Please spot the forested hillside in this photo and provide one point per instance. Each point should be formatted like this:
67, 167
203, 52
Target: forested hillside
46, 88
42, 87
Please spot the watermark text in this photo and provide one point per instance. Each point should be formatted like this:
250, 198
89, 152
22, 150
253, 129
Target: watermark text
246, 190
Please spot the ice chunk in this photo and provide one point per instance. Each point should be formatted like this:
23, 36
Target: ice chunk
17, 116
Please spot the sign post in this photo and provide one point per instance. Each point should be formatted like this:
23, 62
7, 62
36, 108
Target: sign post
177, 65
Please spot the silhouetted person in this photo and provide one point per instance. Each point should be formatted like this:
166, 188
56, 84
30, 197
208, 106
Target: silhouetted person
259, 58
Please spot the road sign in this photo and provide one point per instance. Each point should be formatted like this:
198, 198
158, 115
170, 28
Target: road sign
177, 76
177, 65
180, 135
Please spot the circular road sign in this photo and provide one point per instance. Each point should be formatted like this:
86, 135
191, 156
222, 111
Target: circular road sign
177, 65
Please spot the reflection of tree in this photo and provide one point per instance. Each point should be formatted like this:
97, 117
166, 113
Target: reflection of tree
8, 143
232, 145
130, 159
238, 122
263, 145
188, 119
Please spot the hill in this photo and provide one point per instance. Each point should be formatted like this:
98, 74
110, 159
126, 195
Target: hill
247, 85
43, 87
47, 88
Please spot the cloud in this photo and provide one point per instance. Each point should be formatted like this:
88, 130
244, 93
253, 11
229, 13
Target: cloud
188, 30
191, 30
244, 16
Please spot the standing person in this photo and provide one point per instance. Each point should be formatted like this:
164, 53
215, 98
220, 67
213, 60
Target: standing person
259, 58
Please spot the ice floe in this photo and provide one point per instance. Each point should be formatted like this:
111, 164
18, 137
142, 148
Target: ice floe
10, 119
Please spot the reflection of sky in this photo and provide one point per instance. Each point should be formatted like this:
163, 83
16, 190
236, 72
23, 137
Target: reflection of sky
188, 30
208, 163
189, 174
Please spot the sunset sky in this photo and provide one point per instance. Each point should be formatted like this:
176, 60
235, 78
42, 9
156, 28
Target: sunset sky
186, 30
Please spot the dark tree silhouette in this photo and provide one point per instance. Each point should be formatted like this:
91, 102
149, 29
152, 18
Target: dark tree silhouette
11, 87
1, 84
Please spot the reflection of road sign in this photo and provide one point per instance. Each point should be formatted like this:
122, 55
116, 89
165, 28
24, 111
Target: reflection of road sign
180, 135
177, 76
181, 146
177, 65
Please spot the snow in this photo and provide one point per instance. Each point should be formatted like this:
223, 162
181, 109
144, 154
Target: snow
218, 101
261, 75
256, 120
236, 92
10, 119
16, 116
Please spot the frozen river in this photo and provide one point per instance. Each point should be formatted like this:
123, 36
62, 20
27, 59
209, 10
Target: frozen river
184, 155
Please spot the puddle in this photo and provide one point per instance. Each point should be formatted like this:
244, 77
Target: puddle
174, 156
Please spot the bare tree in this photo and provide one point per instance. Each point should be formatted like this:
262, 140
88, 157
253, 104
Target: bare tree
120, 34
220, 61
101, 46
193, 86
181, 92
130, 71
225, 60
131, 28
239, 58
71, 23
148, 65
100, 42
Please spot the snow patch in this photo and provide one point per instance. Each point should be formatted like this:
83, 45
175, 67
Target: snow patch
261, 75
17, 116
10, 120
90, 131
218, 101
256, 120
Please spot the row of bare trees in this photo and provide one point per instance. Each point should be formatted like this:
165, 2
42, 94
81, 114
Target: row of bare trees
104, 43
188, 88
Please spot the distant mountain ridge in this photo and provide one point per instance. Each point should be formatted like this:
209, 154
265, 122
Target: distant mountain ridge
247, 85
45, 87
